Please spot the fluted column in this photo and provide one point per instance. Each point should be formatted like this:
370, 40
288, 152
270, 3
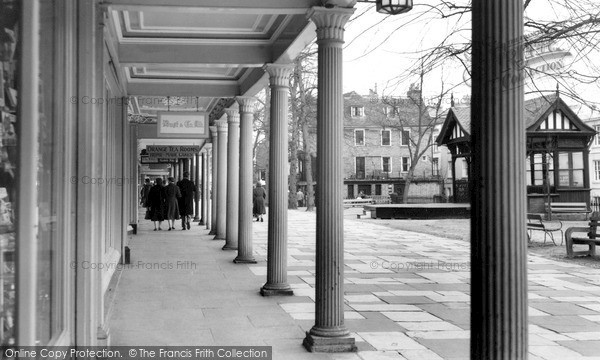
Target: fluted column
181, 170
215, 179
176, 169
206, 212
329, 333
198, 169
222, 179
277, 283
498, 231
233, 178
245, 254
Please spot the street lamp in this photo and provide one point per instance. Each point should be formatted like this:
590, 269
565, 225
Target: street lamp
393, 7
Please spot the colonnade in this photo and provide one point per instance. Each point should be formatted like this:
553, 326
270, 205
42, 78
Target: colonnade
498, 290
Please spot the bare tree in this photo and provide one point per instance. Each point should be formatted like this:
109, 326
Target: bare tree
576, 24
303, 123
416, 119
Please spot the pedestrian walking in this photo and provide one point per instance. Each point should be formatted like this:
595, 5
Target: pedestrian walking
145, 190
300, 198
156, 204
172, 194
258, 201
186, 201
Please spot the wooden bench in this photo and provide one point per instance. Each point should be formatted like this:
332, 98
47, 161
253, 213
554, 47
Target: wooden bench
535, 222
591, 240
569, 208
357, 202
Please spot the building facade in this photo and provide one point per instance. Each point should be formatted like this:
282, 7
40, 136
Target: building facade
380, 138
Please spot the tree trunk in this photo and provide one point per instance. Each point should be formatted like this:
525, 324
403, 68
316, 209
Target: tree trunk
310, 191
409, 177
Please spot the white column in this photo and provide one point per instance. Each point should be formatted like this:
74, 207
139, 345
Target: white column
277, 283
498, 230
196, 177
245, 254
329, 334
215, 177
222, 178
206, 210
233, 178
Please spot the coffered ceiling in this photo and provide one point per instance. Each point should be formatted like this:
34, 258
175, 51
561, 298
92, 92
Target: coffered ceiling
210, 49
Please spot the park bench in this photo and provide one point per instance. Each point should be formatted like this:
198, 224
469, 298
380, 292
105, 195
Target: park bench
357, 202
591, 239
569, 208
535, 222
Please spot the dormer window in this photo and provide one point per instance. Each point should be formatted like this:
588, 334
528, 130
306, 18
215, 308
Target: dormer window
357, 111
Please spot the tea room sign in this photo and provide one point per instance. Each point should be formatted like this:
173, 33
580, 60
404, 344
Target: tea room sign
182, 124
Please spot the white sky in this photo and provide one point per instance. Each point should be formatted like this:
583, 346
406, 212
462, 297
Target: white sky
379, 48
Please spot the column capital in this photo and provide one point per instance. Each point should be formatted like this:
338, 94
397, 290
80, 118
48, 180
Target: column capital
246, 103
213, 129
330, 22
221, 125
279, 74
233, 116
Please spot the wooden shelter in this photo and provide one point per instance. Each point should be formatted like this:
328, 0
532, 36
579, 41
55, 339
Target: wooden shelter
558, 142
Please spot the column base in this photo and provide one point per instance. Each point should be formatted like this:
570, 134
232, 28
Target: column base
337, 344
217, 237
229, 247
244, 260
196, 219
277, 291
212, 232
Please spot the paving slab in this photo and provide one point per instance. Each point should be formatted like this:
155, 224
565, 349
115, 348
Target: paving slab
406, 295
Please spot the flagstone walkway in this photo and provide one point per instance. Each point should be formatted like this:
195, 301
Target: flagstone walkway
407, 295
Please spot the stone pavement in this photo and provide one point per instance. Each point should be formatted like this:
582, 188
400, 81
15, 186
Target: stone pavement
407, 295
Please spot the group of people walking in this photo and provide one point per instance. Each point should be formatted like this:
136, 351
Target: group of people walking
170, 201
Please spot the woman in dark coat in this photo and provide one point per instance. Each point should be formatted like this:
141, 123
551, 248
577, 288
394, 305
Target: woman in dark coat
258, 200
172, 193
156, 203
186, 201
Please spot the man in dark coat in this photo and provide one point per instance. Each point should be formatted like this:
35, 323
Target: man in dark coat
156, 204
186, 201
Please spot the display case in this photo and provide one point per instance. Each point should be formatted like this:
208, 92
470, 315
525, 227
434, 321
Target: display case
9, 40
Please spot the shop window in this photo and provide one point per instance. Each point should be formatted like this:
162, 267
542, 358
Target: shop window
465, 169
378, 189
9, 92
359, 137
386, 137
570, 169
539, 169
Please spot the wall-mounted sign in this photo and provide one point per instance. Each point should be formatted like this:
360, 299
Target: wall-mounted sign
182, 124
171, 151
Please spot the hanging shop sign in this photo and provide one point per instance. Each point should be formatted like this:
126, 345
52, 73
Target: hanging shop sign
546, 56
182, 124
145, 159
167, 152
